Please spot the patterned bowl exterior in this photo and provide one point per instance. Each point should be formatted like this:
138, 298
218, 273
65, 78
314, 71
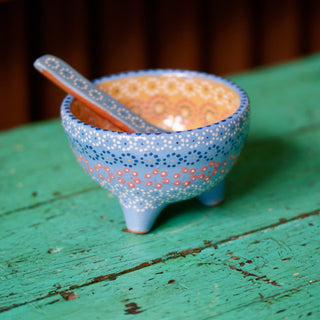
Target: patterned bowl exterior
146, 172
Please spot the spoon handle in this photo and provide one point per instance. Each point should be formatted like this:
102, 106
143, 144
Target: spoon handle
97, 100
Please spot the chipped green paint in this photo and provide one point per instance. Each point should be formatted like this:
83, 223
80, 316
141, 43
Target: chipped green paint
250, 274
63, 253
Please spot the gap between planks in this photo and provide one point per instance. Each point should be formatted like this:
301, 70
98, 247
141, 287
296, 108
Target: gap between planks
38, 204
170, 256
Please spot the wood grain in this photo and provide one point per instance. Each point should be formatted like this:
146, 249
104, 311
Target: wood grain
257, 274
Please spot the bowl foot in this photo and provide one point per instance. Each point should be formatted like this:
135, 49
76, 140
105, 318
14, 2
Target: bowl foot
214, 196
136, 232
140, 222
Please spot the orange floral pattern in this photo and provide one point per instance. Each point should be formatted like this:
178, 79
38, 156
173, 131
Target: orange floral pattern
170, 102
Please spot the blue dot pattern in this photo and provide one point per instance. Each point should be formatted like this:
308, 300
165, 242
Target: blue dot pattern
147, 171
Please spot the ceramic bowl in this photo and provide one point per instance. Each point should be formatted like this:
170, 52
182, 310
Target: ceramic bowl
208, 118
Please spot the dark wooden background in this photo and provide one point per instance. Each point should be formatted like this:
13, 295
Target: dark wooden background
108, 36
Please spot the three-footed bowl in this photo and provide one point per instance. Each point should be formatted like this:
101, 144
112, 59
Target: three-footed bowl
207, 119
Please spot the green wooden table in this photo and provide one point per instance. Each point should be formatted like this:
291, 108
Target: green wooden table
63, 254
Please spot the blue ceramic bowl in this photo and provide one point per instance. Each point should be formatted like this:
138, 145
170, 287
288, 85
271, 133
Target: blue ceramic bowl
146, 172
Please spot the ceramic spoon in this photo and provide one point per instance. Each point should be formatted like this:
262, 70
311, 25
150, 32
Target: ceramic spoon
97, 100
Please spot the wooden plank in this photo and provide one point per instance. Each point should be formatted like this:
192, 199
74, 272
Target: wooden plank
14, 85
120, 39
92, 246
276, 91
175, 34
313, 32
279, 36
68, 40
286, 92
268, 273
41, 162
230, 37
267, 185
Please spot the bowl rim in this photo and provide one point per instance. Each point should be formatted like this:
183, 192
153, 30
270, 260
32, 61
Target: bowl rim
65, 109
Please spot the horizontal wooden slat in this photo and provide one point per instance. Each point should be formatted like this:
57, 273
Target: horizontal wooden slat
313, 34
14, 82
65, 34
